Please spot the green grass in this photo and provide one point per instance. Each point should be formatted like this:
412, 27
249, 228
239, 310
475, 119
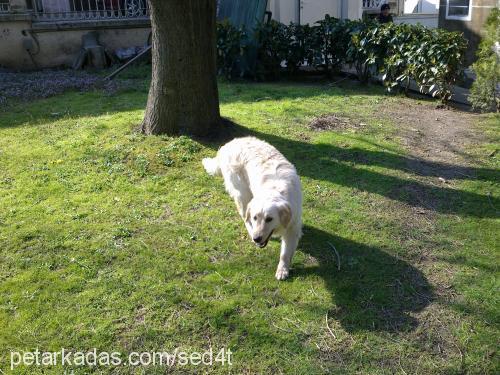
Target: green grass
120, 242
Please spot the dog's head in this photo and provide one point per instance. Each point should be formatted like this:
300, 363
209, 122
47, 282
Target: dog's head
265, 216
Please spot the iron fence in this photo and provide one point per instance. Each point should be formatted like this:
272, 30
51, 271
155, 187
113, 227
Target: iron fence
4, 6
67, 10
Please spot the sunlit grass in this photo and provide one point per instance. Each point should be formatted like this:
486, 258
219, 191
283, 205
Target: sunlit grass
121, 242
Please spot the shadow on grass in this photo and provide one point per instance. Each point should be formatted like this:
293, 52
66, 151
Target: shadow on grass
415, 165
72, 105
324, 162
344, 166
373, 290
248, 92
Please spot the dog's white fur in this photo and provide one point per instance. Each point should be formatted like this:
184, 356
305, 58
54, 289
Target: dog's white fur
267, 192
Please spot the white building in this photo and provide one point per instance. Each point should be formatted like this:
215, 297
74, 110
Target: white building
309, 11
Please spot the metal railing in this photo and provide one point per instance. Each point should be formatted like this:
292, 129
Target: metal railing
69, 10
373, 4
4, 6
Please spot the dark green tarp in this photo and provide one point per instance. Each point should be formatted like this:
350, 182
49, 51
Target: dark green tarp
242, 12
246, 14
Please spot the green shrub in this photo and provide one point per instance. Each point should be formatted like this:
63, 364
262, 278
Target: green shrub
367, 48
332, 41
431, 57
301, 46
401, 53
272, 41
231, 46
485, 94
398, 67
443, 63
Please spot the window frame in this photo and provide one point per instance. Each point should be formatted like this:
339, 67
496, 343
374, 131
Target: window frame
468, 17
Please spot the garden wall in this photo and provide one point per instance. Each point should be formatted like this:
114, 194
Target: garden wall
57, 44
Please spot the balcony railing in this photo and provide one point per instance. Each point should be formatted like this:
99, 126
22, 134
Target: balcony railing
75, 10
4, 6
372, 4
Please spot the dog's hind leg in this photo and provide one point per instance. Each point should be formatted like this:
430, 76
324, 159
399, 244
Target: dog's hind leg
289, 243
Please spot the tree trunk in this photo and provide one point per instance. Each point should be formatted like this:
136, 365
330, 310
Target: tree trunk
183, 96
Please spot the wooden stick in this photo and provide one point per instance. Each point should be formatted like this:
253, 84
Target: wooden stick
336, 253
328, 327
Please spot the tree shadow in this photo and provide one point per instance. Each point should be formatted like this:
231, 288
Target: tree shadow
416, 165
345, 167
373, 290
71, 104
304, 87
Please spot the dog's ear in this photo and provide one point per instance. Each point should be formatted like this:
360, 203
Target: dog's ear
285, 213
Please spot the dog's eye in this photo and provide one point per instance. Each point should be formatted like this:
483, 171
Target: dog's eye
268, 219
255, 218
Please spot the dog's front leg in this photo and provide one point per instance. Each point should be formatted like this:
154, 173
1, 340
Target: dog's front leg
240, 206
289, 243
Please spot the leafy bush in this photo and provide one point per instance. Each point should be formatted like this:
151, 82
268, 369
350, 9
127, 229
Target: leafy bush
333, 38
367, 48
272, 40
402, 53
485, 95
430, 57
442, 61
301, 46
398, 67
231, 46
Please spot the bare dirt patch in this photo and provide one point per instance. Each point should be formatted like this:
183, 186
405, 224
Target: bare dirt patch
437, 138
333, 122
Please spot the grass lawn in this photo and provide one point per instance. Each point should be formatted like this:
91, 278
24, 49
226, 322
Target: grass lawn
120, 242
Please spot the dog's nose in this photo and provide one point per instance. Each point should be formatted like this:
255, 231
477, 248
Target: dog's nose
257, 239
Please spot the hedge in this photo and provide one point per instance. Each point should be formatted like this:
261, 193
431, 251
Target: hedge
400, 53
485, 91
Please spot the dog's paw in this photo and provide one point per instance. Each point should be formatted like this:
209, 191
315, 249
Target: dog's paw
282, 273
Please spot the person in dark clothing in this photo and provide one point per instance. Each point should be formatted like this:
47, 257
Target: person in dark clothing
384, 16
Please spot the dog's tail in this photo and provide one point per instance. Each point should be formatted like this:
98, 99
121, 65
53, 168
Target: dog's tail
211, 166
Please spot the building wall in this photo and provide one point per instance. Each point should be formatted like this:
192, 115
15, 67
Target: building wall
12, 53
315, 10
352, 10
310, 11
61, 48
284, 11
430, 6
421, 6
427, 20
471, 29
55, 6
58, 44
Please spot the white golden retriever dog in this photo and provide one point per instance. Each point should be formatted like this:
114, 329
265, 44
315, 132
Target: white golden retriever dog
267, 192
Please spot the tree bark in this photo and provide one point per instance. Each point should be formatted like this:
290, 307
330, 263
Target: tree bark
183, 96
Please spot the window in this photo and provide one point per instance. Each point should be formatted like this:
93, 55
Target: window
458, 10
